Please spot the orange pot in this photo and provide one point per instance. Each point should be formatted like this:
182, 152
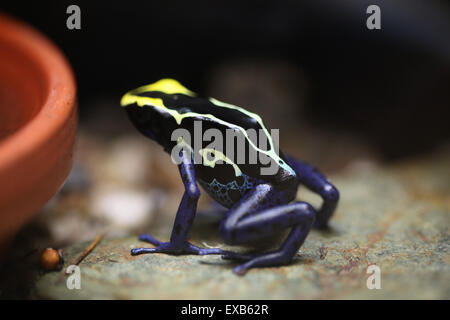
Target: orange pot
38, 120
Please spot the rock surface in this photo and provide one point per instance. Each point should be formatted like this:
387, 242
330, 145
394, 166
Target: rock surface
396, 218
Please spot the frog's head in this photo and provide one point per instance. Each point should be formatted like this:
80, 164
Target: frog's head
147, 109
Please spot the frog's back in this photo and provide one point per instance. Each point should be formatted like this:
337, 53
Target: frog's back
183, 108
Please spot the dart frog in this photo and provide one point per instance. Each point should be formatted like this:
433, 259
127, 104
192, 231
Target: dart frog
256, 203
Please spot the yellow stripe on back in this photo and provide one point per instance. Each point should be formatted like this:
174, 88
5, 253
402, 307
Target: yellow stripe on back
170, 86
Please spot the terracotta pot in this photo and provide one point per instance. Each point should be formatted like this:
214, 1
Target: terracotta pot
38, 120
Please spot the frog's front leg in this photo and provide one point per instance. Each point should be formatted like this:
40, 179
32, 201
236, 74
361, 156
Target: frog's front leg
261, 213
183, 221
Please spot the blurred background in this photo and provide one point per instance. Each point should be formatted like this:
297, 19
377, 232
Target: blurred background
340, 93
309, 62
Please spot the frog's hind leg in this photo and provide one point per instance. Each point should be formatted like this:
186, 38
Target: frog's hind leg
256, 215
317, 182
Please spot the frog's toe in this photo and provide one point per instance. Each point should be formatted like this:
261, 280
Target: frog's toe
162, 247
148, 238
241, 269
204, 251
138, 251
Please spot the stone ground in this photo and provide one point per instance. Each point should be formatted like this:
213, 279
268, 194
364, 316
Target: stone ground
395, 217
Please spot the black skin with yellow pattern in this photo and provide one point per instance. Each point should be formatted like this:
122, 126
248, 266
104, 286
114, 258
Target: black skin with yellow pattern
259, 205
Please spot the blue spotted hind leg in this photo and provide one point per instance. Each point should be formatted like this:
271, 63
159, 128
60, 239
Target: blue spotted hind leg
256, 215
183, 221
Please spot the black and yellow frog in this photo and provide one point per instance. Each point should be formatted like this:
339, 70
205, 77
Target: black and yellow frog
259, 195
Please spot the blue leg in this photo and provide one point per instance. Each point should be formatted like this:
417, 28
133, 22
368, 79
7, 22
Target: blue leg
316, 182
183, 221
256, 215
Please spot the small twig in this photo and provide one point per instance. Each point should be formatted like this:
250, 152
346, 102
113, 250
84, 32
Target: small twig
88, 249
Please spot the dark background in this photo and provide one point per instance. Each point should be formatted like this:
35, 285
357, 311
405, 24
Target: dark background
390, 86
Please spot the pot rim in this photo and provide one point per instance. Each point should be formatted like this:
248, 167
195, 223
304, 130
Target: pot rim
58, 101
